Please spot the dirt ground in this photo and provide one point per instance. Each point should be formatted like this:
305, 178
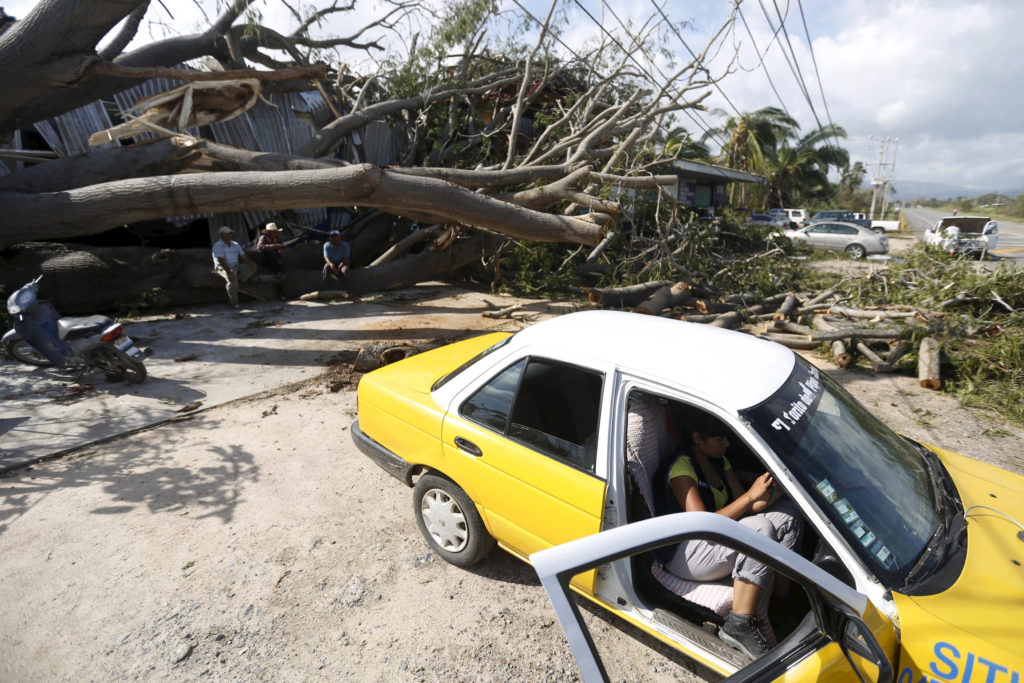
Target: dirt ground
254, 542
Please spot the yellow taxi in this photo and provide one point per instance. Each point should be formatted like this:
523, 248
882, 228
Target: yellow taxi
911, 560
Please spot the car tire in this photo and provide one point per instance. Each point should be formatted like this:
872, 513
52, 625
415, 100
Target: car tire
449, 521
856, 251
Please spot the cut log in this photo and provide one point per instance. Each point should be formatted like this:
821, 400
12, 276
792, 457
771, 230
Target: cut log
735, 318
741, 299
928, 364
822, 325
503, 312
624, 297
897, 351
819, 298
877, 364
856, 333
792, 341
881, 313
787, 307
654, 304
839, 354
791, 327
681, 294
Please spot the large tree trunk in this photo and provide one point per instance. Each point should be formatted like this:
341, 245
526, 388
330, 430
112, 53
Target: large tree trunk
80, 279
92, 209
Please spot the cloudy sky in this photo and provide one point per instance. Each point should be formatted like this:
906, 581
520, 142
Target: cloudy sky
943, 77
943, 80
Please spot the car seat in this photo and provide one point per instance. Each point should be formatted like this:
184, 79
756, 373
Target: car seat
647, 447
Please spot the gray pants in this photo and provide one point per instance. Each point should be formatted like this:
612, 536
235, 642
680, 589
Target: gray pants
243, 271
707, 561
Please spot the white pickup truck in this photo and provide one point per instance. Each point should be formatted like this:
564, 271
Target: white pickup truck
881, 226
964, 234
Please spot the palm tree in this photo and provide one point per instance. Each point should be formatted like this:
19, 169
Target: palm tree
852, 177
679, 144
751, 139
800, 171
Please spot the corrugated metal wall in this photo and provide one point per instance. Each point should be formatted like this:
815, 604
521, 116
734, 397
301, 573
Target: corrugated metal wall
278, 126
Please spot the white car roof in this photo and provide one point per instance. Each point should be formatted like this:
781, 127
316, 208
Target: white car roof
732, 369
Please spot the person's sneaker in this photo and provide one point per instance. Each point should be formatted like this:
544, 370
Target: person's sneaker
743, 631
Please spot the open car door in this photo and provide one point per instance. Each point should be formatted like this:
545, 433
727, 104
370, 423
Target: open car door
834, 642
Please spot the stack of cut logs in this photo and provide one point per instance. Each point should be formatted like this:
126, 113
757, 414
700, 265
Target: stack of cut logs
796, 321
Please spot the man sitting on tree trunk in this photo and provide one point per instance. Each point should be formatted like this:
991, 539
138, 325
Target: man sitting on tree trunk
226, 254
336, 252
270, 249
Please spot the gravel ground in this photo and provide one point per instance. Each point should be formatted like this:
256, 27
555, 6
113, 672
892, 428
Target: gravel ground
254, 542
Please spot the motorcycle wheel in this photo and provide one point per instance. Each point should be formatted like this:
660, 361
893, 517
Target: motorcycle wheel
118, 366
20, 350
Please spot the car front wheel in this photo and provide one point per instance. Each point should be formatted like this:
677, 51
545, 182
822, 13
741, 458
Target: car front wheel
856, 251
449, 521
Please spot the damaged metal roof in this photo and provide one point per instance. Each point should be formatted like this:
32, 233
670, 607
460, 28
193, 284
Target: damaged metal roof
280, 123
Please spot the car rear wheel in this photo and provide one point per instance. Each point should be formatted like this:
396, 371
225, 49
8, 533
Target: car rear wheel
449, 521
856, 251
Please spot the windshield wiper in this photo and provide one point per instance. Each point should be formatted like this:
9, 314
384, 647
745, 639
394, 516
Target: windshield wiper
947, 532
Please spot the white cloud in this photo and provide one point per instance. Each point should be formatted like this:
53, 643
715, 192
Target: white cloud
944, 77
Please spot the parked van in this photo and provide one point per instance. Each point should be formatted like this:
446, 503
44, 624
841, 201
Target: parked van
796, 217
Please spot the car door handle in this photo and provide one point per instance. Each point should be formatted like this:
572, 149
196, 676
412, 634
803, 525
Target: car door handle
468, 446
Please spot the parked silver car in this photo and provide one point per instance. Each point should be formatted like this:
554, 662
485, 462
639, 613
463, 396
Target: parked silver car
855, 240
771, 220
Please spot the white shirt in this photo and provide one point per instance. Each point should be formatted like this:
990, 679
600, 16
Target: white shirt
229, 252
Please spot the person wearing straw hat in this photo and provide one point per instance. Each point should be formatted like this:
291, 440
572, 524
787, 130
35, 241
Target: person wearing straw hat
270, 249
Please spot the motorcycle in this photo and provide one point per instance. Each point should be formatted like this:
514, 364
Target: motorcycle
41, 336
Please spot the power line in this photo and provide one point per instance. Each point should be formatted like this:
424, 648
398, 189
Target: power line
817, 72
700, 124
694, 55
794, 65
761, 57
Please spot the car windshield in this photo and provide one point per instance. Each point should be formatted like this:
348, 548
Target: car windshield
871, 483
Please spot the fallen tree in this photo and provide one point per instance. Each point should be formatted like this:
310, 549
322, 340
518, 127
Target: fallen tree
537, 140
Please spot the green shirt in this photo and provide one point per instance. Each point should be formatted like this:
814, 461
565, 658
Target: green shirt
683, 467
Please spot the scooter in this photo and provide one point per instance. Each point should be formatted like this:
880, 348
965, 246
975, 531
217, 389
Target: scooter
42, 337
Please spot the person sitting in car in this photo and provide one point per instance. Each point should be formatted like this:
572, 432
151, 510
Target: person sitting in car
702, 479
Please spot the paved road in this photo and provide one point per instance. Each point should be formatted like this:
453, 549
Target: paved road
1011, 235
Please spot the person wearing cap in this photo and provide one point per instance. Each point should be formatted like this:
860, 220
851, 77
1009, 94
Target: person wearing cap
336, 252
226, 256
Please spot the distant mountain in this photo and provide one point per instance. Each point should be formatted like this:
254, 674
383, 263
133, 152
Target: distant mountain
915, 189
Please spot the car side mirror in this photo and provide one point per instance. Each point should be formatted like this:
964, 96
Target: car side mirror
862, 650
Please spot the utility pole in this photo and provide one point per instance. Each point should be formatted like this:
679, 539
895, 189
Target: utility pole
884, 170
